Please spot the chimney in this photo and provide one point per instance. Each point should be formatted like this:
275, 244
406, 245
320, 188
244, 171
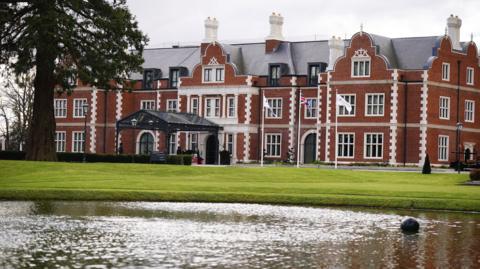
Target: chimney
336, 47
275, 38
454, 23
211, 27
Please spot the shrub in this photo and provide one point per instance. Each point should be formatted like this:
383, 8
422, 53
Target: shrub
427, 168
187, 159
174, 159
475, 174
12, 155
225, 157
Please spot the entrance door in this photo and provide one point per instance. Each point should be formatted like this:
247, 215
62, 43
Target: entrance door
309, 147
211, 151
146, 144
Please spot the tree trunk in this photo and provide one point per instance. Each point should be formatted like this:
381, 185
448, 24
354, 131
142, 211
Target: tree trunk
41, 143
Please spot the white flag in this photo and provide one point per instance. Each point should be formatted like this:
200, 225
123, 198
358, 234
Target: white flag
265, 103
342, 102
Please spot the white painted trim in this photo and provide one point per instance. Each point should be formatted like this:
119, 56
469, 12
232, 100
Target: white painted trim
354, 105
423, 119
147, 101
246, 147
393, 119
354, 141
73, 142
447, 150
291, 134
280, 153
447, 65
328, 119
440, 107
227, 107
139, 135
218, 89
366, 105
64, 141
168, 101
118, 113
279, 115
473, 110
305, 108
55, 107
213, 108
365, 145
319, 117
248, 109
93, 120
74, 109
473, 76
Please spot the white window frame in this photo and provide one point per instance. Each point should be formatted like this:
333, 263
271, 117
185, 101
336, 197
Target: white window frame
231, 107
340, 153
361, 57
470, 75
310, 112
172, 105
232, 142
60, 108
379, 105
446, 71
469, 113
78, 145
373, 145
442, 109
79, 109
190, 139
60, 144
443, 148
215, 110
214, 77
275, 112
175, 146
144, 104
273, 145
342, 108
194, 109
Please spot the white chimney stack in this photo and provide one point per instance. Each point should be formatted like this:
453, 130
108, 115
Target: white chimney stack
454, 23
276, 23
211, 27
336, 47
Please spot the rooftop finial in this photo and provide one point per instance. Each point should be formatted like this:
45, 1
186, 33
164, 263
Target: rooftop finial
471, 37
446, 31
361, 27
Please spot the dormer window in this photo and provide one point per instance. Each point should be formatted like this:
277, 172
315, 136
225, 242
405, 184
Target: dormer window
313, 71
207, 74
214, 74
274, 75
174, 73
361, 64
149, 76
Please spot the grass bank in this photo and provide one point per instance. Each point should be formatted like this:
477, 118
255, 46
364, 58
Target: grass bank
20, 180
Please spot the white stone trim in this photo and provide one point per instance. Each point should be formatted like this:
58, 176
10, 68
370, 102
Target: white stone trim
327, 120
393, 118
93, 120
246, 147
249, 81
319, 117
248, 108
292, 118
215, 90
139, 135
118, 112
423, 119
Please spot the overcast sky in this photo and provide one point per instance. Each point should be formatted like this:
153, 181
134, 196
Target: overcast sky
167, 22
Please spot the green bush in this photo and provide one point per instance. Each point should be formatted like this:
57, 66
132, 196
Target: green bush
187, 159
12, 155
475, 174
427, 168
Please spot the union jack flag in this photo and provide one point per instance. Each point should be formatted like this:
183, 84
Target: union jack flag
302, 100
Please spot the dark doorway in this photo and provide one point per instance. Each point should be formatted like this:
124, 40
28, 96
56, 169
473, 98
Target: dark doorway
309, 155
211, 151
146, 144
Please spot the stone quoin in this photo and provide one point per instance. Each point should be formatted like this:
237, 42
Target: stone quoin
407, 96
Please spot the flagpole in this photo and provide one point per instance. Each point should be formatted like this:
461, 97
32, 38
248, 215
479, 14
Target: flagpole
336, 129
263, 130
299, 123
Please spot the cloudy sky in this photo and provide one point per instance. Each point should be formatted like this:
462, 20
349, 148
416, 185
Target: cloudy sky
167, 22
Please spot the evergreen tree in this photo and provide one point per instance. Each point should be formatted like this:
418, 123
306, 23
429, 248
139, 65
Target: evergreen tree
96, 41
427, 169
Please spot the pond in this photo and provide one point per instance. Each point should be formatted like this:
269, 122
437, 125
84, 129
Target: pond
204, 235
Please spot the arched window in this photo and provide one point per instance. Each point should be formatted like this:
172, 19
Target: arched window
145, 146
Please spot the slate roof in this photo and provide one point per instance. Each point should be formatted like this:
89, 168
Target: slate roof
251, 59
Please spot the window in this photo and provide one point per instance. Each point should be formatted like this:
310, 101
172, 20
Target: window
72, 80
469, 110
145, 146
275, 110
442, 148
207, 74
194, 107
219, 74
147, 104
375, 104
60, 107
229, 144
78, 141
274, 75
342, 111
470, 75
373, 145
231, 107
313, 71
60, 138
172, 105
174, 73
78, 111
345, 145
172, 144
311, 108
273, 143
193, 141
361, 64
446, 71
212, 108
149, 76
444, 107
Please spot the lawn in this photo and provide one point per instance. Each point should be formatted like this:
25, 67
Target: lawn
277, 185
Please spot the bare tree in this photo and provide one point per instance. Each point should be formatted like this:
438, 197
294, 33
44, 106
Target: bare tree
17, 93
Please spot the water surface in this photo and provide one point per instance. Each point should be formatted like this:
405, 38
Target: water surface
203, 235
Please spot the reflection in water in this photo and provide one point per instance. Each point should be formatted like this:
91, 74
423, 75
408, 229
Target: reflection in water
200, 235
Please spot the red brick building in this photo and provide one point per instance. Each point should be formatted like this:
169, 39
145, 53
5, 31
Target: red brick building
410, 97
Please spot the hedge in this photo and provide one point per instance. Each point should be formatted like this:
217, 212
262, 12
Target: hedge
106, 158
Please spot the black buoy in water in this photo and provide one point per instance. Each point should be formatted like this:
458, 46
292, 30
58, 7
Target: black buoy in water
410, 225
